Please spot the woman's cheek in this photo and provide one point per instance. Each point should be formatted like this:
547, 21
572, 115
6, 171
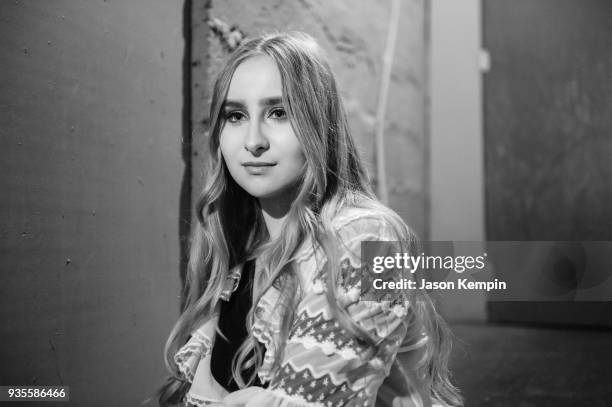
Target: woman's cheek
228, 148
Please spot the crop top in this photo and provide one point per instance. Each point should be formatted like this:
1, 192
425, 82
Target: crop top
322, 364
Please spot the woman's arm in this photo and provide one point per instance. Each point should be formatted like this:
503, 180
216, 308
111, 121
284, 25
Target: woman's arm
403, 386
194, 360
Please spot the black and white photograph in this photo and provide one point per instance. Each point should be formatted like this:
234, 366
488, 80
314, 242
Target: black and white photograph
306, 203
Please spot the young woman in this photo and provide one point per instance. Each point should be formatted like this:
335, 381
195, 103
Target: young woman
273, 314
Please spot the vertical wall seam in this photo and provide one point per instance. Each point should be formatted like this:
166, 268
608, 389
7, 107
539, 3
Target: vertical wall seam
186, 149
426, 119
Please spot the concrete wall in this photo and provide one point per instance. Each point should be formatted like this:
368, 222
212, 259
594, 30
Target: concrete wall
90, 164
457, 162
354, 35
548, 120
456, 139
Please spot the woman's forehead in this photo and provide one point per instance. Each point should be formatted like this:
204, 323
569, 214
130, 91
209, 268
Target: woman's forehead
256, 78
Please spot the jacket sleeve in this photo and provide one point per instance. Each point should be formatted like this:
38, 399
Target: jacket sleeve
193, 361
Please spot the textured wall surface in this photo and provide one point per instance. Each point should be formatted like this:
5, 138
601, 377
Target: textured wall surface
354, 35
456, 140
548, 117
548, 139
90, 147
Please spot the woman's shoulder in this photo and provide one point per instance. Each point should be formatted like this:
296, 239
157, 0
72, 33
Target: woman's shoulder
346, 228
371, 221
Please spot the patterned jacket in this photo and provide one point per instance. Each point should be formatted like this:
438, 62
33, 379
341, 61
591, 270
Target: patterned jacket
322, 364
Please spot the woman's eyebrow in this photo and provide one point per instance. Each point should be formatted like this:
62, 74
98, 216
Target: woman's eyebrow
265, 102
271, 101
229, 103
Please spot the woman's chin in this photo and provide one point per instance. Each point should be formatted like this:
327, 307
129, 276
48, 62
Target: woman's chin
261, 192
265, 191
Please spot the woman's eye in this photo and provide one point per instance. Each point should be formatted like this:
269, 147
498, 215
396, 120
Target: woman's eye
234, 116
278, 113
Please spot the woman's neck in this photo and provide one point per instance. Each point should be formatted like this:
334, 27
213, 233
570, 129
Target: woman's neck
274, 211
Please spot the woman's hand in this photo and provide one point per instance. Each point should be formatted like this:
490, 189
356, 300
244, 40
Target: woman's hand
242, 397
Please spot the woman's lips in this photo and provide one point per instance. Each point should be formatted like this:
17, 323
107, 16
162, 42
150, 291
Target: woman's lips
257, 167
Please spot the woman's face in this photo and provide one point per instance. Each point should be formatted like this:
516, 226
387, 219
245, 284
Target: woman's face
257, 142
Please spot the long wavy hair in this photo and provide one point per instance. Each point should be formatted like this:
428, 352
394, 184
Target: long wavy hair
230, 230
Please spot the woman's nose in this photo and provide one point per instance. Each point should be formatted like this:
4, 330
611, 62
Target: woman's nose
256, 142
